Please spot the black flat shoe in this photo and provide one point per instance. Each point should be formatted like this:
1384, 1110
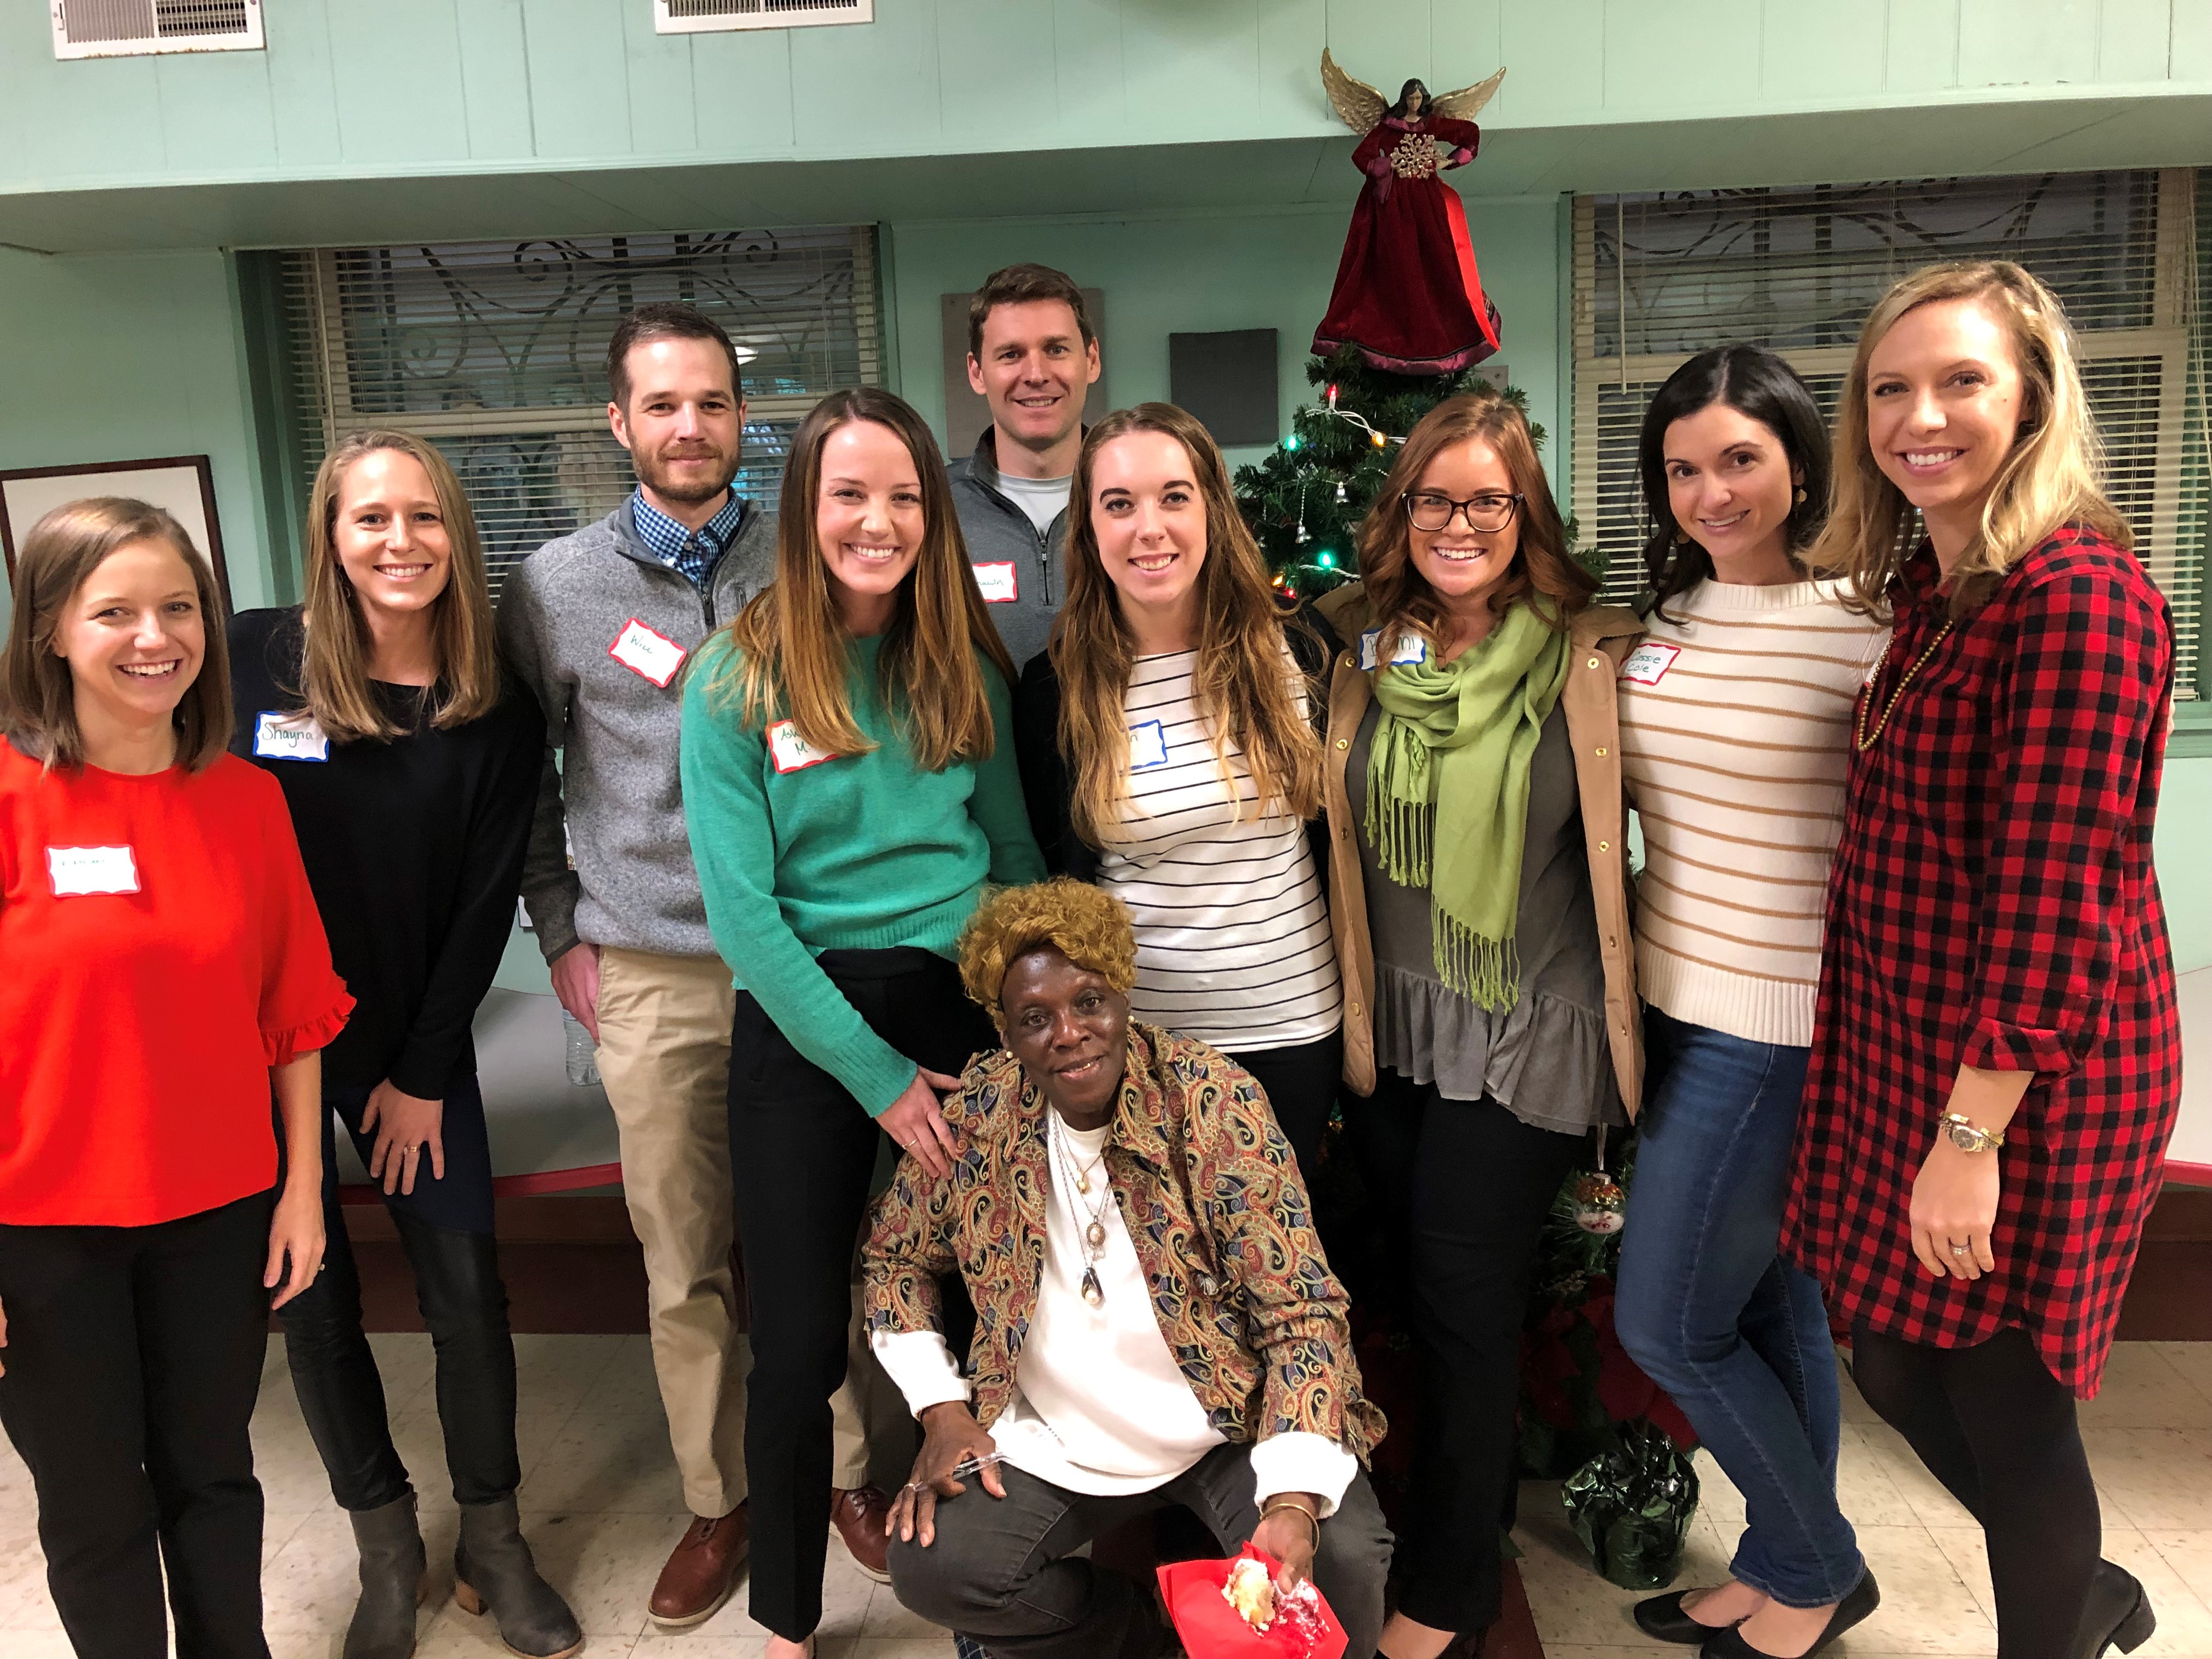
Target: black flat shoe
2118, 1614
1662, 1618
1851, 1610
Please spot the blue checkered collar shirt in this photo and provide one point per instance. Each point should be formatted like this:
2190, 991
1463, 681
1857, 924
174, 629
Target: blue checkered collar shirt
690, 553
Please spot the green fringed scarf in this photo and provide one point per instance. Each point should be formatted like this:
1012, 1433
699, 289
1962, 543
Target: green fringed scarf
1455, 744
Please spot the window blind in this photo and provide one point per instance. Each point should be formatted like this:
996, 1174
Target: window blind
1659, 277
496, 353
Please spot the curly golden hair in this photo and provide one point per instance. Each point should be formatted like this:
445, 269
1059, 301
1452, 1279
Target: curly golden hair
1085, 924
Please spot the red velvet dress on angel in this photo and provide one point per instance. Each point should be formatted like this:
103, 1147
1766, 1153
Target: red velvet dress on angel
1407, 293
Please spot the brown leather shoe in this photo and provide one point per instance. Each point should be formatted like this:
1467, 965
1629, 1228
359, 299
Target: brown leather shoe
702, 1572
862, 1515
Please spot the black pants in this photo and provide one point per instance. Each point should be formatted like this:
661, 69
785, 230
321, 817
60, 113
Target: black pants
802, 1151
1003, 1569
134, 1357
1301, 1082
1474, 1184
1993, 1425
446, 1229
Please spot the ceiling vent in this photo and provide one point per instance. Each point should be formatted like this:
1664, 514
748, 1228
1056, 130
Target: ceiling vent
134, 29
703, 16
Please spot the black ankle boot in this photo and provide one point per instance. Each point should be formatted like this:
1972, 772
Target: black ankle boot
394, 1577
2118, 1614
492, 1569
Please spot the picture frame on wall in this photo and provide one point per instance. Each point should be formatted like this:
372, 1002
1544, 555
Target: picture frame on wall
182, 484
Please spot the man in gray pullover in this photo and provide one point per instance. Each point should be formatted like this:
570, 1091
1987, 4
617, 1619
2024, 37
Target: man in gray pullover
1031, 356
598, 625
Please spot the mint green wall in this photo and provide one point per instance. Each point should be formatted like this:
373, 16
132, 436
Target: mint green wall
435, 87
1174, 273
2184, 870
126, 357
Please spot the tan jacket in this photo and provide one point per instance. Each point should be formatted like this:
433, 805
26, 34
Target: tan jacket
1602, 635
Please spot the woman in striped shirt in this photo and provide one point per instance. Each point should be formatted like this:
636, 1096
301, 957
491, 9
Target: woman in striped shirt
1168, 753
1734, 716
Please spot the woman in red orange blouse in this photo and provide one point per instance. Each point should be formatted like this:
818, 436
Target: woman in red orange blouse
1996, 1060
165, 964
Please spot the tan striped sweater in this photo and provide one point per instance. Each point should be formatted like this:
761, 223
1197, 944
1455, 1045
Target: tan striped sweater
1735, 728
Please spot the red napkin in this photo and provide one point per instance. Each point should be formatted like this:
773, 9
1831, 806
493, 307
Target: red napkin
1212, 1628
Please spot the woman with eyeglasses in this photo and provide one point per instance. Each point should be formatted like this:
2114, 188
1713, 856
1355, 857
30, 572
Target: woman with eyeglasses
1480, 899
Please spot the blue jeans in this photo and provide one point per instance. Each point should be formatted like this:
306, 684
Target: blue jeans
1716, 1317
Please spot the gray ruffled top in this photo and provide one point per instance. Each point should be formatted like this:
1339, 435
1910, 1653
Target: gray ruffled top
1546, 1059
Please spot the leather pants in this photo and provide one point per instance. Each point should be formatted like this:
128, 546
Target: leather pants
457, 1288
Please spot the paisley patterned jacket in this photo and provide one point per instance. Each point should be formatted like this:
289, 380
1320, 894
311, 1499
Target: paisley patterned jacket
1214, 1207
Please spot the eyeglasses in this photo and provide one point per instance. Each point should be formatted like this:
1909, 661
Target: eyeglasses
1488, 511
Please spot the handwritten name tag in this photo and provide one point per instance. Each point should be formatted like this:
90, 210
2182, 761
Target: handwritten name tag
278, 736
1648, 664
790, 751
1148, 746
997, 581
80, 870
1409, 649
652, 656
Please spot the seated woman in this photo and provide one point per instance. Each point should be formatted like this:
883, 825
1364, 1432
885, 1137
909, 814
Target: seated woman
1198, 1359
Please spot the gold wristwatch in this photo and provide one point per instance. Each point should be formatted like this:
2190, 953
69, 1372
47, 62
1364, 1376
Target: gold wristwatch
1968, 1138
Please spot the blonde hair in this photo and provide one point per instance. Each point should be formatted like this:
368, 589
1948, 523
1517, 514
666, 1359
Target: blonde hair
334, 679
2049, 479
1542, 571
37, 693
791, 640
1241, 683
1085, 924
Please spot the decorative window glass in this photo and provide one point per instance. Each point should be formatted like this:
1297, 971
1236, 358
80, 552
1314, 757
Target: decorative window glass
1659, 277
496, 352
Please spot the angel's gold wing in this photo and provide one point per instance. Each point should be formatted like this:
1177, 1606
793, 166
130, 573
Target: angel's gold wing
1357, 104
1467, 103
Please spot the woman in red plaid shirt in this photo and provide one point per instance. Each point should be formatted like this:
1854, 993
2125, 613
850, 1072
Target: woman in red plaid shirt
1997, 1058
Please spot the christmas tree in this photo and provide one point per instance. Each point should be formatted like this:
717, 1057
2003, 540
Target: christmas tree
1305, 500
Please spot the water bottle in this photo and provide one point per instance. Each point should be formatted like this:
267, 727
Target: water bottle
583, 1067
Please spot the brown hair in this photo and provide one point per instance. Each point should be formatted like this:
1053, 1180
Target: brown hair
2049, 477
1085, 924
791, 640
1402, 599
38, 697
1016, 285
663, 320
1242, 682
334, 679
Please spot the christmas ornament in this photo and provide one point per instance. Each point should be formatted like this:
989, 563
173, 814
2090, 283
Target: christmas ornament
1408, 297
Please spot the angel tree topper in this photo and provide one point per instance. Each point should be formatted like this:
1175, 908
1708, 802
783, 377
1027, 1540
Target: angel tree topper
1408, 295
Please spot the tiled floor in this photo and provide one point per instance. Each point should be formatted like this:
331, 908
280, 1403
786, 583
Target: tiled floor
602, 1506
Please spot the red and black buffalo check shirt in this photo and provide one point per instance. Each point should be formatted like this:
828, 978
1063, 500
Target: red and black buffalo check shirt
1993, 904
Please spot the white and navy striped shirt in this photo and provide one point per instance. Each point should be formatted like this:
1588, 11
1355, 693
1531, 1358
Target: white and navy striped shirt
1233, 941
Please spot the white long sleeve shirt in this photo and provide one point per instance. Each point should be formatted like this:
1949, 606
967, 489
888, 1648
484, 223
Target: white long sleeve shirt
1100, 1405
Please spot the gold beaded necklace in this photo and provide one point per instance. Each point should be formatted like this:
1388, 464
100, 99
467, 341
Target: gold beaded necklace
1868, 739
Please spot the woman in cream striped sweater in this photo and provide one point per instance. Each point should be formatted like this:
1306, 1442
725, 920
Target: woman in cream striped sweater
1734, 714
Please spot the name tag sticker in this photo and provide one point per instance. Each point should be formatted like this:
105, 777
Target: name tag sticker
652, 656
997, 581
279, 736
1648, 664
790, 751
1410, 648
1148, 746
77, 871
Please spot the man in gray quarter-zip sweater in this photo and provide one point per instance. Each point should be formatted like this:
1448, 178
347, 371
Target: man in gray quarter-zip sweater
600, 625
1032, 356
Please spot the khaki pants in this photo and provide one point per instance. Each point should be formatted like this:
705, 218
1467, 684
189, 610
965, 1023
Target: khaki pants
663, 1053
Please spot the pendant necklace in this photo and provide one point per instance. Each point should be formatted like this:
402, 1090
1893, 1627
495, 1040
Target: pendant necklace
1081, 1180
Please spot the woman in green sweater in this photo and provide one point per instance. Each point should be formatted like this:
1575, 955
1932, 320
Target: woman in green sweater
848, 790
